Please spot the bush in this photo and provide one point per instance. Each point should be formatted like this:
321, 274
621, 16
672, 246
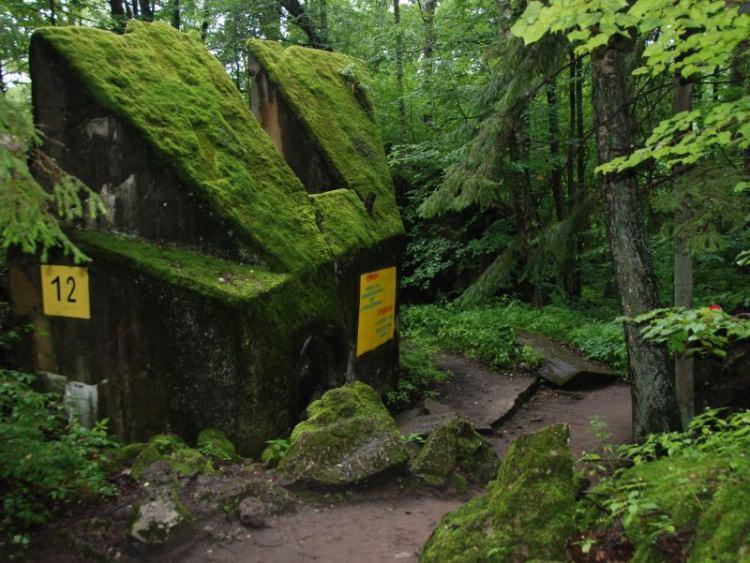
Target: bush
45, 461
419, 374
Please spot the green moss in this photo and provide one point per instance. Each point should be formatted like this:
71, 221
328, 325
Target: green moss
348, 438
328, 92
455, 446
214, 443
723, 532
228, 281
169, 448
526, 513
344, 221
179, 98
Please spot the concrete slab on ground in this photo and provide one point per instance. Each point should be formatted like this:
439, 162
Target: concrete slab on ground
564, 366
483, 396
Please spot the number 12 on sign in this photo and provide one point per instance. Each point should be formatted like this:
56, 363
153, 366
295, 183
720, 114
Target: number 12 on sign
65, 291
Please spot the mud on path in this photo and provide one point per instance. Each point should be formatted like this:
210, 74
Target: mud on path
390, 522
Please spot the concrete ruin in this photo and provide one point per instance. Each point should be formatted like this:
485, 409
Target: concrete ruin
228, 284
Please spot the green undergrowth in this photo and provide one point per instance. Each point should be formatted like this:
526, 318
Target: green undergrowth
223, 279
488, 333
179, 98
419, 374
687, 491
46, 462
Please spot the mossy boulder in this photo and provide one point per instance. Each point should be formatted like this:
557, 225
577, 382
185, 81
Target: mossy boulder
214, 443
525, 513
348, 439
160, 521
455, 446
174, 457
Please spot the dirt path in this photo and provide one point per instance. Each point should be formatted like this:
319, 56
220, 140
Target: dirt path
391, 524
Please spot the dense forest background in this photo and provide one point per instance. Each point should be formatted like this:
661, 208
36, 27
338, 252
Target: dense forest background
491, 142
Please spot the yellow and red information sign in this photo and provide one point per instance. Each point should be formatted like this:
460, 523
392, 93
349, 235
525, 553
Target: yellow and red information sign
65, 291
377, 309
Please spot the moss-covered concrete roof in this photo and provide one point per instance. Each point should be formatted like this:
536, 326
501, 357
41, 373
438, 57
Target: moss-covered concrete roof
179, 98
328, 92
225, 280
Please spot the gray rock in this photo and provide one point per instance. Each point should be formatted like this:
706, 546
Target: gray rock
160, 521
252, 513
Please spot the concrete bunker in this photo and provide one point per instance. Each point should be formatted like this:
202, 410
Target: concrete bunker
224, 289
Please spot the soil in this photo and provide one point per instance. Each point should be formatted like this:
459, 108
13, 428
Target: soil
393, 521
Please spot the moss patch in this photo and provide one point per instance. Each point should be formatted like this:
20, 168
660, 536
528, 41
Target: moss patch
526, 513
329, 94
167, 86
228, 281
455, 446
214, 443
178, 457
349, 438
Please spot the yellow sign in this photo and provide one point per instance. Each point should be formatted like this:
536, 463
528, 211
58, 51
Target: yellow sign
377, 309
65, 291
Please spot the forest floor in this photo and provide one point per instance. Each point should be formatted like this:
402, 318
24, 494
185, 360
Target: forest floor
391, 522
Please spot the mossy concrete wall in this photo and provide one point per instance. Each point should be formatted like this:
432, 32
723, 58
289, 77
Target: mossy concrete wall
222, 293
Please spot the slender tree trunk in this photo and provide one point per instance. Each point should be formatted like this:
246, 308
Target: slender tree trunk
136, 13
323, 24
428, 53
554, 152
146, 10
572, 282
53, 12
580, 141
128, 10
652, 379
570, 162
302, 19
683, 271
176, 14
205, 22
399, 54
3, 88
117, 10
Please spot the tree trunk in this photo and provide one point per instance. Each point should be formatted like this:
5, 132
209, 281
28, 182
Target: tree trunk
53, 12
554, 152
118, 14
683, 271
570, 162
572, 281
176, 14
303, 20
3, 88
205, 22
580, 141
428, 53
146, 11
399, 54
652, 379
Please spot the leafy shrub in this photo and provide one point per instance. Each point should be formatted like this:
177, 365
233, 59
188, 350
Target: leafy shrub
419, 374
704, 330
45, 461
275, 451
